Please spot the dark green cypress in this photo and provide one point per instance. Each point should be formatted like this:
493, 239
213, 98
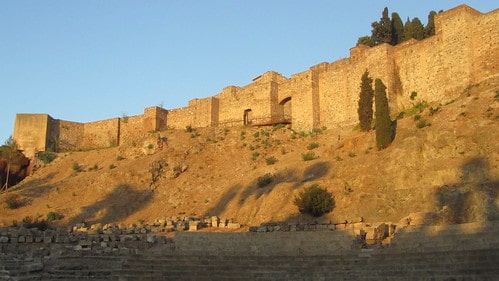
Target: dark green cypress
382, 31
365, 109
383, 122
414, 29
429, 29
397, 29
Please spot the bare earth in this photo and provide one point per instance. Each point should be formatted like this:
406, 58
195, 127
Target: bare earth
451, 165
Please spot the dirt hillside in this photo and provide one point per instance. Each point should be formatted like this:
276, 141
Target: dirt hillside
450, 164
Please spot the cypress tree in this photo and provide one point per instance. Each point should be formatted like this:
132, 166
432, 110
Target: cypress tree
365, 109
383, 122
397, 29
414, 29
382, 31
429, 29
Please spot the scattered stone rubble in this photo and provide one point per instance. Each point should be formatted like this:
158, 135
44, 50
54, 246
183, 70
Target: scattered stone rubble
365, 233
109, 238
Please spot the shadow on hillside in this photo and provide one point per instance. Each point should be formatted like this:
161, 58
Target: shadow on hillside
471, 200
33, 189
123, 201
313, 172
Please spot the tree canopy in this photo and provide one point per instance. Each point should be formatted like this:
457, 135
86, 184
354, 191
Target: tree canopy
393, 31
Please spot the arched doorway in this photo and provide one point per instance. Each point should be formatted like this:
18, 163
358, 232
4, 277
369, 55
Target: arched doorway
247, 117
285, 113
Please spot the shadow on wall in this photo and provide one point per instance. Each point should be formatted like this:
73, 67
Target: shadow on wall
120, 203
471, 200
312, 172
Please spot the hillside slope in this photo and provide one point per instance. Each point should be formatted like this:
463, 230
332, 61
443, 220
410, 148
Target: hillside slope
451, 167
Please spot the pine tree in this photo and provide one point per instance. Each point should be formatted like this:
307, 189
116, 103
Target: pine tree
383, 122
365, 40
382, 31
429, 29
365, 109
397, 27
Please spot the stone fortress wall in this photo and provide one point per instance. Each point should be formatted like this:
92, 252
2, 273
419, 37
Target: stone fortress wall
463, 52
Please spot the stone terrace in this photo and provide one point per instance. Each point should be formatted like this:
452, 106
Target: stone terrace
456, 252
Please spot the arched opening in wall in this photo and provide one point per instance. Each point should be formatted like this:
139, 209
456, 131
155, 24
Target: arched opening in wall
247, 117
285, 113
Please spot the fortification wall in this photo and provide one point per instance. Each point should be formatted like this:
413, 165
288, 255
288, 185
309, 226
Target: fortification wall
154, 118
205, 112
485, 47
463, 52
69, 135
180, 118
130, 128
101, 133
30, 132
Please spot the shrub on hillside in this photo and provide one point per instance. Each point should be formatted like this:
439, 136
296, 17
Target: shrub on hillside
13, 202
53, 216
271, 160
46, 156
308, 156
315, 201
265, 180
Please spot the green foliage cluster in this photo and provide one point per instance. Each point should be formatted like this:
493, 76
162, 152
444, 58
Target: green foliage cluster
393, 31
315, 201
77, 167
46, 157
308, 156
271, 160
312, 145
54, 216
383, 124
265, 180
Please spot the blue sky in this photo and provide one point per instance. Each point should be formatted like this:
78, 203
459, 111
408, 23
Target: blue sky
90, 60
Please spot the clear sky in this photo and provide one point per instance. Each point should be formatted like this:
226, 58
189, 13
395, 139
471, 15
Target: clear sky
90, 60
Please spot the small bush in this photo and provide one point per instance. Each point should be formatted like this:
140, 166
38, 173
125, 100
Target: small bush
271, 160
413, 95
421, 123
111, 166
150, 146
53, 216
312, 145
29, 222
46, 156
314, 200
13, 202
255, 155
77, 167
308, 156
189, 129
352, 154
265, 180
434, 110
278, 126
119, 158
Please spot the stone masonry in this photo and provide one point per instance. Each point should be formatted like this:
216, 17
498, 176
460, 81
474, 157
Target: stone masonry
463, 52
